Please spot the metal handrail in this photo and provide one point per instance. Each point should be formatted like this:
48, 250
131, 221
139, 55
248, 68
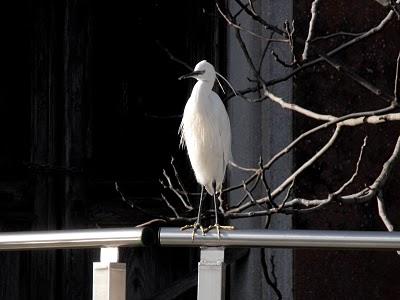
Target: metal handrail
282, 239
137, 237
82, 238
109, 277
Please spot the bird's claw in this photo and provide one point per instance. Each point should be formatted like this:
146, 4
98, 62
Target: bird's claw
218, 228
195, 227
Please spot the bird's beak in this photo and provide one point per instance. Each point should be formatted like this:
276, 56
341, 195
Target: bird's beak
193, 74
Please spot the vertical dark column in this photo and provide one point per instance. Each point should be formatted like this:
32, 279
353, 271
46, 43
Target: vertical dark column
259, 129
77, 49
43, 156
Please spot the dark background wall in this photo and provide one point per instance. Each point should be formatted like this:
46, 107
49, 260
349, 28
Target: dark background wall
88, 97
347, 274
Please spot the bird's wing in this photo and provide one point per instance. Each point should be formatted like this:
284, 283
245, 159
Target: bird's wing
224, 126
181, 130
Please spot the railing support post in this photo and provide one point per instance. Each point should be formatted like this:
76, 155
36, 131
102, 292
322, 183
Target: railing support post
109, 276
211, 277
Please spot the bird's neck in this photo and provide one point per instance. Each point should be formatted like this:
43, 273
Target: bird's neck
203, 87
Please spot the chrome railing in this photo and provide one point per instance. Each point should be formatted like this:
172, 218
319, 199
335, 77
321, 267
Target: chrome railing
283, 239
78, 238
109, 276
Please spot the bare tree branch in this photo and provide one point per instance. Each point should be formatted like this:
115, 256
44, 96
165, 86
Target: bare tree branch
336, 50
260, 20
396, 80
383, 2
382, 212
339, 121
272, 282
171, 207
371, 191
297, 108
310, 29
308, 163
178, 179
174, 190
348, 182
173, 58
283, 63
361, 81
230, 21
336, 34
367, 193
289, 180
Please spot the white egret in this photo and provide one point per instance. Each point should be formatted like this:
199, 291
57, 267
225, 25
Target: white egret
206, 132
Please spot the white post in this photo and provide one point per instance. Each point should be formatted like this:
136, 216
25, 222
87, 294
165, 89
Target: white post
109, 276
211, 278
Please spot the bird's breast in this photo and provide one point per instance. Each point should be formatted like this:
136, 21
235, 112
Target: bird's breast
203, 142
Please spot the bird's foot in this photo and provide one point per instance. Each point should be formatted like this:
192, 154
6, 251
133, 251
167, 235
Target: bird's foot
219, 228
195, 227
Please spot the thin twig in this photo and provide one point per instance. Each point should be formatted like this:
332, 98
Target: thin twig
280, 61
282, 205
289, 33
250, 195
171, 207
365, 194
292, 177
264, 53
336, 50
396, 80
308, 163
270, 201
247, 54
336, 34
235, 25
355, 173
382, 212
244, 198
371, 191
178, 179
272, 282
151, 222
174, 58
260, 20
174, 190
232, 163
357, 78
130, 203
383, 215
310, 29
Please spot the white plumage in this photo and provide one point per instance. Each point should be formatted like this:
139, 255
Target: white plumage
205, 130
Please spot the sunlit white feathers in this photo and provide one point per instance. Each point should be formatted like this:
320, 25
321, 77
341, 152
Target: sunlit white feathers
205, 130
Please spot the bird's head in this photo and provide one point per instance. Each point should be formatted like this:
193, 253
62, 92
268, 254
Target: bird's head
203, 71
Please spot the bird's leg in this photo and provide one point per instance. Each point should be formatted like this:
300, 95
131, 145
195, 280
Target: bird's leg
197, 224
216, 225
215, 209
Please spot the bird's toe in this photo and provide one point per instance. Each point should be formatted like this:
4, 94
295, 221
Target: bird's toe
196, 226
